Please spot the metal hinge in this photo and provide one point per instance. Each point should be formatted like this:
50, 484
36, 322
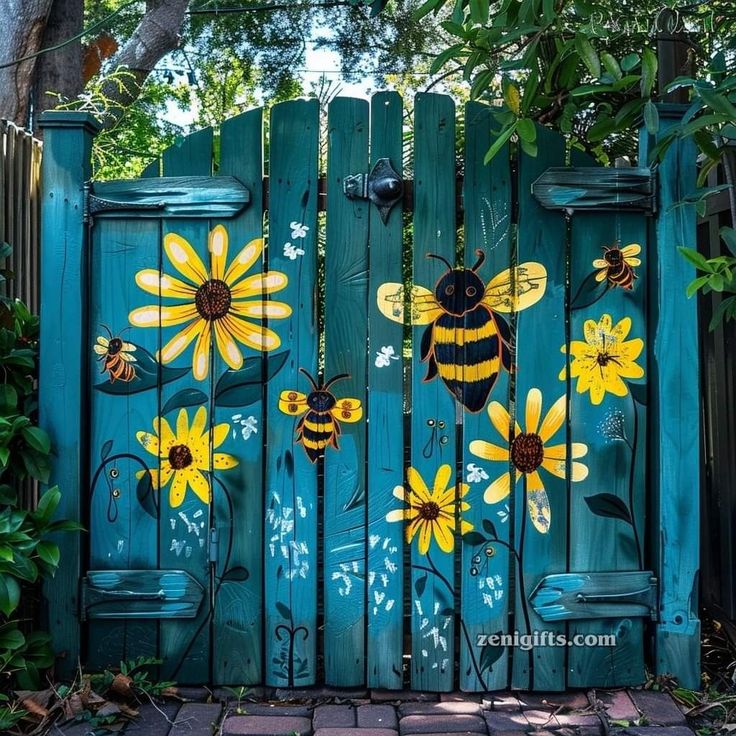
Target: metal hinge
593, 595
382, 186
214, 546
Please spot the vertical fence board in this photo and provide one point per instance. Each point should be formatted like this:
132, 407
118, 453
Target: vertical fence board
238, 593
290, 542
486, 567
346, 336
386, 427
433, 413
11, 195
540, 335
184, 529
123, 530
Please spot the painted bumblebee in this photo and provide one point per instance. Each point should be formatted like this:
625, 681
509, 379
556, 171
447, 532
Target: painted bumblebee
617, 265
320, 425
116, 357
467, 342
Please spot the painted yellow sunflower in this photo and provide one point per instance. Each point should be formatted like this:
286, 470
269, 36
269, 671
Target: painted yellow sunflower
431, 513
218, 301
529, 451
184, 455
604, 359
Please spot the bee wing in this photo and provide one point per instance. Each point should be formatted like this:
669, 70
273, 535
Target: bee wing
293, 403
347, 410
100, 349
128, 358
424, 307
129, 347
508, 291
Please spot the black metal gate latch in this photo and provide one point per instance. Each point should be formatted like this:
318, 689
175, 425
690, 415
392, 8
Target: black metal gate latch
383, 186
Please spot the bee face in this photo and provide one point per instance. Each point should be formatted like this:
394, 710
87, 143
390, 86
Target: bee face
115, 346
459, 291
321, 401
613, 256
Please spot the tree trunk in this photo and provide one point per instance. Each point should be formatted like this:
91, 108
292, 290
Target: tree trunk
59, 72
22, 24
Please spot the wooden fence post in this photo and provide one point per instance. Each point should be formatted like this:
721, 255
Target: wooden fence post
66, 166
675, 436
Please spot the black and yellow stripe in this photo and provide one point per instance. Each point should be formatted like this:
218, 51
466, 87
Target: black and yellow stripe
316, 431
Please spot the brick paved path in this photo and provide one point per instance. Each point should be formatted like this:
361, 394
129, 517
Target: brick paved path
388, 713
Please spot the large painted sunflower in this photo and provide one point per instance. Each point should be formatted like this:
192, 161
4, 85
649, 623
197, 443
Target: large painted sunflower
529, 451
184, 455
431, 514
604, 359
219, 301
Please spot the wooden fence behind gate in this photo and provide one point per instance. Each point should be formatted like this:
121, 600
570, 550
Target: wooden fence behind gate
296, 464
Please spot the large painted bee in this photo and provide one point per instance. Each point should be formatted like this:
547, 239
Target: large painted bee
116, 357
467, 341
320, 426
617, 265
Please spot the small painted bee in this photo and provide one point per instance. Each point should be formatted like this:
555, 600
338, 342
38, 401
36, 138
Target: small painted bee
116, 357
467, 341
617, 265
320, 426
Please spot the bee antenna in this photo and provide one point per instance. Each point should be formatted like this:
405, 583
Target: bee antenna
440, 258
107, 329
311, 380
336, 378
481, 257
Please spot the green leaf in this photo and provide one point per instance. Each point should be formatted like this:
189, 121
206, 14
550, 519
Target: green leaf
8, 398
498, 144
48, 504
420, 585
9, 594
512, 98
588, 55
697, 259
479, 11
49, 553
489, 527
242, 387
651, 118
648, 71
728, 235
184, 398
11, 638
612, 67
443, 57
490, 655
696, 284
427, 7
609, 505
527, 130
474, 538
716, 102
629, 62
37, 439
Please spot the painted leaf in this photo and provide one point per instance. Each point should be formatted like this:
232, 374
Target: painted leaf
183, 398
105, 451
236, 574
490, 655
147, 371
639, 392
589, 291
474, 538
284, 610
420, 584
489, 527
146, 495
607, 504
243, 387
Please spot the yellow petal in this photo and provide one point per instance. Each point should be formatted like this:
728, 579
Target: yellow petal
533, 410
175, 315
165, 474
500, 419
178, 344
160, 284
254, 336
201, 357
534, 482
244, 260
259, 284
178, 490
148, 441
163, 430
145, 316
425, 537
499, 489
488, 451
442, 479
217, 244
199, 485
556, 467
539, 510
399, 492
579, 472
444, 534
185, 259
197, 430
417, 485
465, 526
554, 418
219, 434
559, 452
260, 310
227, 347
223, 461
395, 515
621, 330
182, 427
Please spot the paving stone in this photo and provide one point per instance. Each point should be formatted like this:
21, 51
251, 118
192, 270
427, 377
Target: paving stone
659, 708
320, 693
423, 724
197, 694
658, 731
377, 716
356, 732
541, 718
196, 719
553, 701
506, 721
275, 709
452, 707
619, 706
460, 733
73, 728
383, 696
266, 726
500, 701
460, 696
333, 716
154, 720
549, 719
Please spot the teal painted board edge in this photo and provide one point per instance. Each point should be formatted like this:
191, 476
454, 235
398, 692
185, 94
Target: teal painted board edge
675, 436
385, 632
66, 165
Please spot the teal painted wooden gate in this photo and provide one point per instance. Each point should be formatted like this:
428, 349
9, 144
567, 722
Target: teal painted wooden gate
326, 430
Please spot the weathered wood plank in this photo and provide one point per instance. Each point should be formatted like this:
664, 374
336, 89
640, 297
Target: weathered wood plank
290, 544
66, 165
433, 411
486, 567
238, 594
346, 336
385, 633
674, 412
540, 496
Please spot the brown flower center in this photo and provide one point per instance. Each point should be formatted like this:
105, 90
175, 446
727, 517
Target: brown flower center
527, 452
213, 299
180, 456
429, 511
603, 359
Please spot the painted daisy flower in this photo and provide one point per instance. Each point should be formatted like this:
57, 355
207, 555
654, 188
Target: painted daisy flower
604, 359
219, 302
431, 514
617, 265
528, 451
184, 454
